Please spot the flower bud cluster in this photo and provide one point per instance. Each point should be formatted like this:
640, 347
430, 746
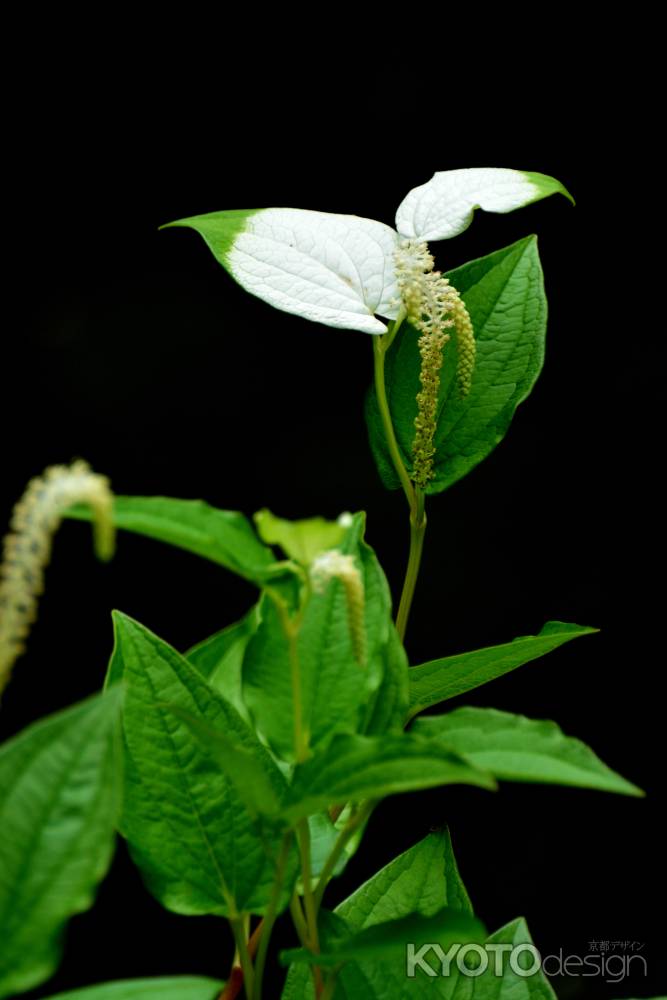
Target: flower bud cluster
434, 308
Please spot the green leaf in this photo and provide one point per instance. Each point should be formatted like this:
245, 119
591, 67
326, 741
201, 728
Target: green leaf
423, 879
59, 800
223, 536
450, 676
220, 658
190, 833
331, 269
505, 298
335, 687
444, 206
514, 748
388, 707
371, 767
167, 988
388, 940
254, 776
301, 540
509, 985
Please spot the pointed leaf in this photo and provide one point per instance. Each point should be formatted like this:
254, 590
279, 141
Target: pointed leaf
220, 658
301, 540
514, 748
450, 676
388, 707
387, 941
509, 984
331, 269
444, 206
190, 833
423, 879
504, 295
223, 536
371, 767
59, 798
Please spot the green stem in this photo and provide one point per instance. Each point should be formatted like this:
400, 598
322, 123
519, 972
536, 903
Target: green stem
379, 351
239, 932
309, 900
417, 531
299, 919
354, 822
306, 877
413, 493
329, 986
270, 918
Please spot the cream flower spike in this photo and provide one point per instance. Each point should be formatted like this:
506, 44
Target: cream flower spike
339, 269
27, 548
334, 565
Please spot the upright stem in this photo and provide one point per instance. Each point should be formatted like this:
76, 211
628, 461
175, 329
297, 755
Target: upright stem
270, 917
308, 898
417, 531
379, 351
413, 493
239, 932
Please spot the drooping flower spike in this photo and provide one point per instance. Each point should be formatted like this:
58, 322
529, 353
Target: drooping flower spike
340, 270
27, 548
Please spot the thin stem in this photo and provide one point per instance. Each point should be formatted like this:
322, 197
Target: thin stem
414, 494
352, 824
379, 351
238, 931
299, 919
270, 917
417, 531
308, 899
329, 986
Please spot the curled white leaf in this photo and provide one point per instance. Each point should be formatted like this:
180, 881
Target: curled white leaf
444, 206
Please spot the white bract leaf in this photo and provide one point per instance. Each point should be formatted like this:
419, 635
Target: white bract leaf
444, 206
333, 269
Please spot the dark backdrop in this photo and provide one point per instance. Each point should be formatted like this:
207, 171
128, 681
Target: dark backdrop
133, 349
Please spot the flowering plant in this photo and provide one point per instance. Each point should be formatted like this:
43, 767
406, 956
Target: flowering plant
242, 772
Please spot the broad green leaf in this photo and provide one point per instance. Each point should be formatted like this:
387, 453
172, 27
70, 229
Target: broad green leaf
331, 269
450, 676
335, 687
220, 658
167, 988
503, 982
387, 940
223, 536
190, 833
255, 779
301, 540
59, 800
505, 298
388, 707
444, 206
421, 880
514, 748
354, 768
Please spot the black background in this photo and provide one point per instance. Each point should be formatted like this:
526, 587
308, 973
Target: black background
133, 349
